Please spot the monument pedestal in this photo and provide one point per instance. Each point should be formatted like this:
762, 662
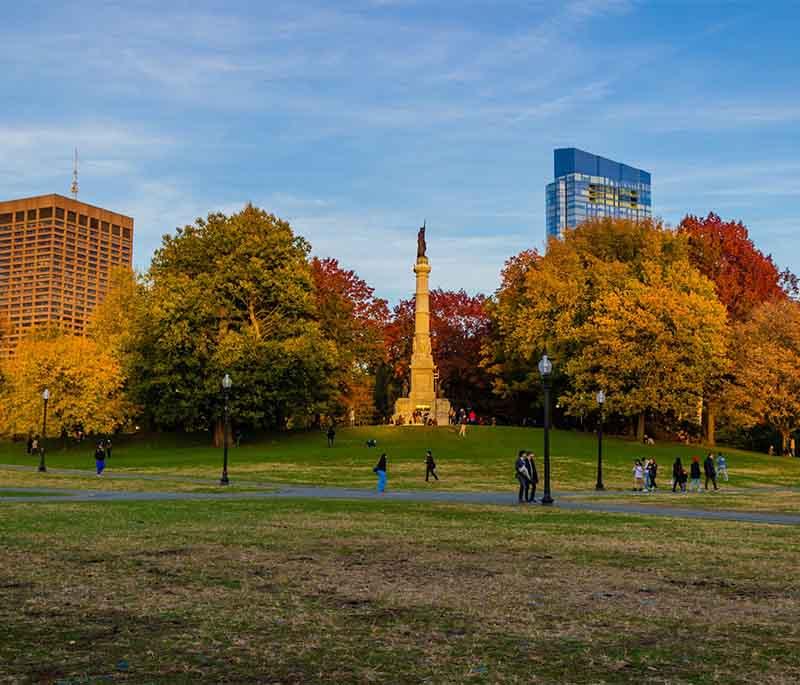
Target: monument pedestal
422, 397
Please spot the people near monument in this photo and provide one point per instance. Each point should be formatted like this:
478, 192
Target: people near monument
473, 417
533, 476
100, 458
722, 466
771, 451
521, 473
430, 466
677, 472
380, 471
694, 471
638, 475
462, 431
451, 416
710, 470
331, 435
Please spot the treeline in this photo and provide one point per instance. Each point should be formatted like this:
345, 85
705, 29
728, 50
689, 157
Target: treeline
687, 331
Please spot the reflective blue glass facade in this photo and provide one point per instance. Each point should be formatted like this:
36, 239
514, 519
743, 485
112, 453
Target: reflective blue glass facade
587, 186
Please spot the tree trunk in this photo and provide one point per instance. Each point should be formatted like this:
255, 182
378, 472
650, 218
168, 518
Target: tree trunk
784, 441
711, 424
640, 428
218, 434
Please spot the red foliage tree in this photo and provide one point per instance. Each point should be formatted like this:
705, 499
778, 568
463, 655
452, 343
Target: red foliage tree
744, 277
459, 324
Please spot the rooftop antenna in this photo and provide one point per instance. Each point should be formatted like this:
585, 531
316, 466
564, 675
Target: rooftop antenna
74, 187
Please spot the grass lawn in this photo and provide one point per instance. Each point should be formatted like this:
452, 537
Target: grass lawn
781, 501
482, 461
298, 592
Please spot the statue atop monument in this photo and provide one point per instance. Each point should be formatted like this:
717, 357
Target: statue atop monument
421, 245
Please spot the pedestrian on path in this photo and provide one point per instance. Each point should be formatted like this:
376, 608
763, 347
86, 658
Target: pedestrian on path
653, 474
521, 473
694, 472
722, 466
100, 458
430, 466
677, 472
710, 471
638, 475
533, 476
380, 471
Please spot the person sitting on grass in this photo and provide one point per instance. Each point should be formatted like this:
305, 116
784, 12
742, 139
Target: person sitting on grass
100, 458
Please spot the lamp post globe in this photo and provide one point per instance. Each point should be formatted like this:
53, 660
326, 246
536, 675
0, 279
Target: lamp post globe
601, 399
226, 386
545, 369
45, 398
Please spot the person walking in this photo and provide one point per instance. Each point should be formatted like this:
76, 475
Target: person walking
108, 447
694, 474
430, 466
533, 476
710, 471
380, 471
29, 444
638, 475
677, 472
647, 474
722, 466
100, 458
653, 474
462, 431
521, 472
331, 435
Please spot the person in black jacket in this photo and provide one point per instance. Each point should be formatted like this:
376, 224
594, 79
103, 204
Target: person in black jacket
533, 476
331, 435
710, 470
677, 472
694, 474
521, 473
380, 471
430, 466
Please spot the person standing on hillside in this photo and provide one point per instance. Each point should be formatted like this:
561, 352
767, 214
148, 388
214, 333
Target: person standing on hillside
533, 476
108, 446
710, 470
521, 473
331, 435
380, 471
100, 458
462, 431
722, 466
430, 466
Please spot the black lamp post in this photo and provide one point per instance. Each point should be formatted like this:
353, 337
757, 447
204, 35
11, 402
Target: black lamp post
45, 397
545, 369
226, 386
601, 398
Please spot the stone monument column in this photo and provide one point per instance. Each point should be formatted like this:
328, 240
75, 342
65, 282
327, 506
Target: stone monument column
422, 396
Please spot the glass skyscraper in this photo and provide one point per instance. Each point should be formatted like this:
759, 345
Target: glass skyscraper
587, 186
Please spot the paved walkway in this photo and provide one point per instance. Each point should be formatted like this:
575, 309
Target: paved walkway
564, 500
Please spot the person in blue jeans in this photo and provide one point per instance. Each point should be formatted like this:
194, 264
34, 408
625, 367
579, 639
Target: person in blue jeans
100, 458
380, 471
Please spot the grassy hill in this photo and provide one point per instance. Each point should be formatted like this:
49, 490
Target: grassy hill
481, 461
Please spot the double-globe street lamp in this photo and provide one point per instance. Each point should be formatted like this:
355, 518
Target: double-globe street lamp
45, 397
601, 398
545, 369
226, 386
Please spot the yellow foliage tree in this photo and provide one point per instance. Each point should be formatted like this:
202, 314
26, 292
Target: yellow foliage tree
766, 353
85, 384
619, 307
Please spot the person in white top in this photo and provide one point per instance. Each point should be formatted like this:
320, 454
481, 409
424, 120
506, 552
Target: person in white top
638, 475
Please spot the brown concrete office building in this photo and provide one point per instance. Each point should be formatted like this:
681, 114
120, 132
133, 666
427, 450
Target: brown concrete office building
55, 257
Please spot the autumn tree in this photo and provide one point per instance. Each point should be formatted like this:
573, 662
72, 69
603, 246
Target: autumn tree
85, 383
353, 320
459, 326
766, 354
232, 294
743, 276
618, 306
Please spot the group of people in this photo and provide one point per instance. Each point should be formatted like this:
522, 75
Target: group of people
527, 475
645, 473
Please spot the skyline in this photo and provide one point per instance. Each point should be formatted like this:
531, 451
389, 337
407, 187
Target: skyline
356, 123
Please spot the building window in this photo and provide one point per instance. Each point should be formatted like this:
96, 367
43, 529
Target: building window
83, 220
71, 217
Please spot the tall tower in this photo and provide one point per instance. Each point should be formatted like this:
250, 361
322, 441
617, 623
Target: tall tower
422, 398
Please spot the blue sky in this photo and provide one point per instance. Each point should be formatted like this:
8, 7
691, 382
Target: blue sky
358, 120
